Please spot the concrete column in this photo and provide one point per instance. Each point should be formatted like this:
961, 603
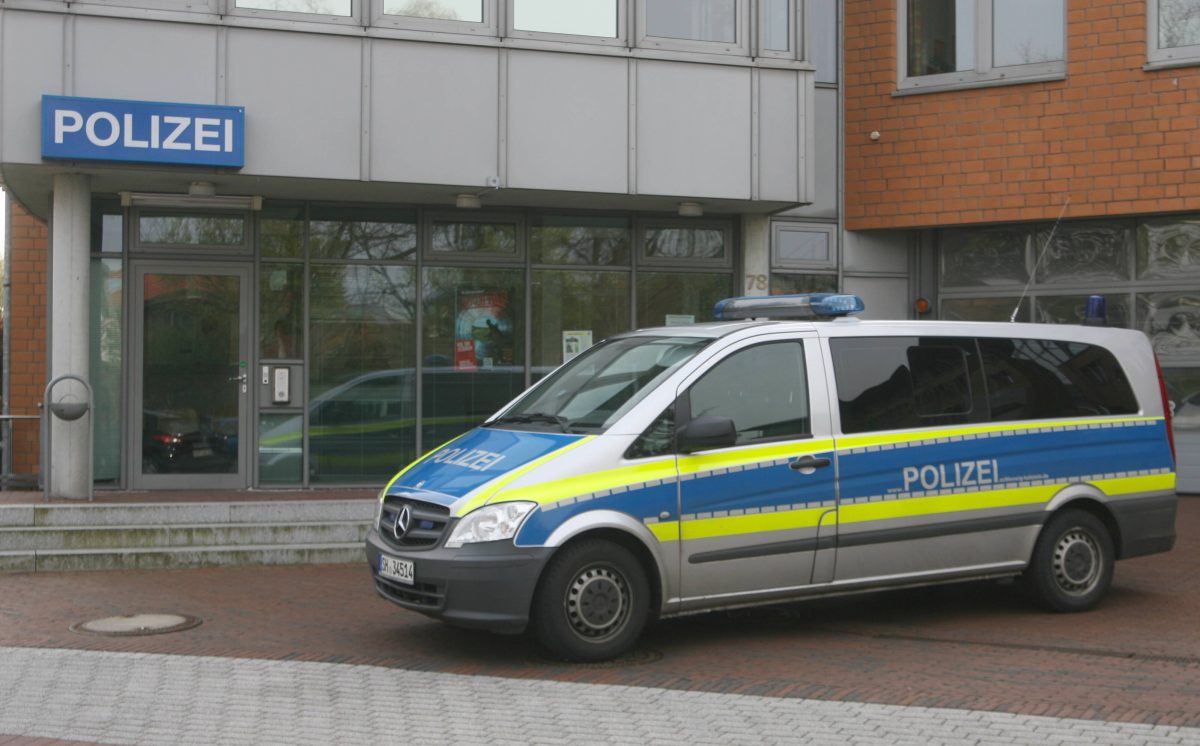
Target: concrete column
70, 268
756, 254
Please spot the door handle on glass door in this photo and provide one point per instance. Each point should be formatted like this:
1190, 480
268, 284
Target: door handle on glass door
241, 378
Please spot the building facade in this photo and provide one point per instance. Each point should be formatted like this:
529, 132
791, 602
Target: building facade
295, 243
1035, 152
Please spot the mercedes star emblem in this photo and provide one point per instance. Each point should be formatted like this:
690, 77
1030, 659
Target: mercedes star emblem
403, 519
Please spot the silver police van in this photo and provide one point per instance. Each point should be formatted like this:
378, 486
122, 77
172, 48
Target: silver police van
681, 469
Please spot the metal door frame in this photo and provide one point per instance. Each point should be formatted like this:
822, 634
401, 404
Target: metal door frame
138, 269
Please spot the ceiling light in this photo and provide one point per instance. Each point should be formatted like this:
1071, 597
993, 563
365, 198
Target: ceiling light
691, 209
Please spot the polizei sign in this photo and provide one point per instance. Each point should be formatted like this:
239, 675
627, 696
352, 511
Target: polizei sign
96, 129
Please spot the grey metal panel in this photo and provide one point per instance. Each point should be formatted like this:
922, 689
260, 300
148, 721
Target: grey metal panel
434, 113
824, 191
885, 297
693, 130
145, 60
567, 117
940, 554
302, 94
31, 65
877, 251
779, 145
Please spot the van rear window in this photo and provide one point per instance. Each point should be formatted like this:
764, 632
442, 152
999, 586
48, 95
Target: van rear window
892, 383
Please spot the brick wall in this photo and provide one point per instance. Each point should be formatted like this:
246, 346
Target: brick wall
29, 243
1119, 140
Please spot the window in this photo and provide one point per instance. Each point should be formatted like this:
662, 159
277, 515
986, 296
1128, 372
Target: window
1034, 379
693, 25
801, 246
191, 229
194, 6
455, 16
822, 50
956, 43
1174, 32
601, 20
763, 389
903, 382
329, 9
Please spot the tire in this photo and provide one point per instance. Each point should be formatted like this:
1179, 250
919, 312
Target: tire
1072, 564
592, 602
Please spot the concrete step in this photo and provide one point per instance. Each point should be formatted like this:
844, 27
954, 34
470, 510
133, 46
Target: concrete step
178, 557
186, 514
124, 536
163, 536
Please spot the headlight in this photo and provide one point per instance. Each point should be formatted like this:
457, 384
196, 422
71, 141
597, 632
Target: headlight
490, 523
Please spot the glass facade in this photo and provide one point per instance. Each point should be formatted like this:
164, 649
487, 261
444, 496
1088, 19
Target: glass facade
395, 328
1148, 271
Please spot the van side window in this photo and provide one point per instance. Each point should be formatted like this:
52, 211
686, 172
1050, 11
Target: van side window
1032, 379
763, 389
658, 439
891, 383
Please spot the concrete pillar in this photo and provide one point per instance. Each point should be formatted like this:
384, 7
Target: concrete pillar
70, 268
756, 254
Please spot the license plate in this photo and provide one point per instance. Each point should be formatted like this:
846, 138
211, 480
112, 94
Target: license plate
396, 569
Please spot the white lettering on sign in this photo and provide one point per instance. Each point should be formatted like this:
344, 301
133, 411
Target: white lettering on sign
473, 459
103, 129
947, 476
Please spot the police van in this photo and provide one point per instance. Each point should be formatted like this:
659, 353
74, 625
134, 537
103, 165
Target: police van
681, 469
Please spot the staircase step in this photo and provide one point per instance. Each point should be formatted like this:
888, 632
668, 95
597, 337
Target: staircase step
165, 536
177, 557
186, 514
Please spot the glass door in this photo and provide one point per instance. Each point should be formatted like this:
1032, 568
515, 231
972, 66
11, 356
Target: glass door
191, 375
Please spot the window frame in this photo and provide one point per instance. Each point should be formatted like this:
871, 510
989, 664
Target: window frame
354, 19
739, 46
620, 40
1162, 57
796, 29
138, 246
182, 6
984, 73
778, 227
489, 26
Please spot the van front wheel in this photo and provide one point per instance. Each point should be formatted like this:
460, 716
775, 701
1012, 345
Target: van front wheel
592, 603
1072, 564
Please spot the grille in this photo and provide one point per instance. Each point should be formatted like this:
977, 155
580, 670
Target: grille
426, 524
418, 594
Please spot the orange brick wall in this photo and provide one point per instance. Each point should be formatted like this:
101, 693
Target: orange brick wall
28, 265
1119, 140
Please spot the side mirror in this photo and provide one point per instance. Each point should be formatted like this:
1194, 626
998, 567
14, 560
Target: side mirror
707, 432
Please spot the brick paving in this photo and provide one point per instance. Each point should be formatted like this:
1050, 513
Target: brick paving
975, 647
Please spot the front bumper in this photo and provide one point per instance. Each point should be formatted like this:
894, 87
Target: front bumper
483, 586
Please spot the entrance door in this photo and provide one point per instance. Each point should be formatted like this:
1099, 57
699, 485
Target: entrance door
191, 375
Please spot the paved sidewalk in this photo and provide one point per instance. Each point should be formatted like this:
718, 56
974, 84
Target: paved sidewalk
143, 698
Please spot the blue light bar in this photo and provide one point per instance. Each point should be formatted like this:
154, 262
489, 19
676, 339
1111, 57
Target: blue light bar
799, 306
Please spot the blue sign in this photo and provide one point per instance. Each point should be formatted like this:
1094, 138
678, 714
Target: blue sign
97, 129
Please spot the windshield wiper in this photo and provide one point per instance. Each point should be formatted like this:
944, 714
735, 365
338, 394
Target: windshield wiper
530, 417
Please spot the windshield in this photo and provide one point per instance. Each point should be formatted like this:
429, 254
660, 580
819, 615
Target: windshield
599, 386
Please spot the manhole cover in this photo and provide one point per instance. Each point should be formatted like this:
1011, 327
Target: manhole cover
137, 624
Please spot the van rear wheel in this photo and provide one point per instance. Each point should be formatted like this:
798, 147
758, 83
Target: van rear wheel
592, 603
1072, 564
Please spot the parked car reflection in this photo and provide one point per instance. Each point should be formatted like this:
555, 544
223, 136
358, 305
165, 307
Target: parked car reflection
366, 428
178, 441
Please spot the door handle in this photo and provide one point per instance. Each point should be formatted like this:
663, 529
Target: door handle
241, 378
809, 462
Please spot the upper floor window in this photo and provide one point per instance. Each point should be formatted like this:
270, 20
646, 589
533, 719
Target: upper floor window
694, 25
956, 43
600, 19
343, 8
1174, 31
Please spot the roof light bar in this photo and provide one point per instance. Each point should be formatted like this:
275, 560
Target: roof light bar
799, 306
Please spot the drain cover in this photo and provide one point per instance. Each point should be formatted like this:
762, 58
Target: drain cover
137, 624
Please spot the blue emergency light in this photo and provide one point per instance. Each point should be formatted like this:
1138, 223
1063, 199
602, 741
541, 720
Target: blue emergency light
798, 306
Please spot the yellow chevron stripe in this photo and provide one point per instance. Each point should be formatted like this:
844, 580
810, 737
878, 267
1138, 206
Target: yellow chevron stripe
757, 454
584, 484
489, 490
1134, 485
427, 455
734, 525
667, 531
